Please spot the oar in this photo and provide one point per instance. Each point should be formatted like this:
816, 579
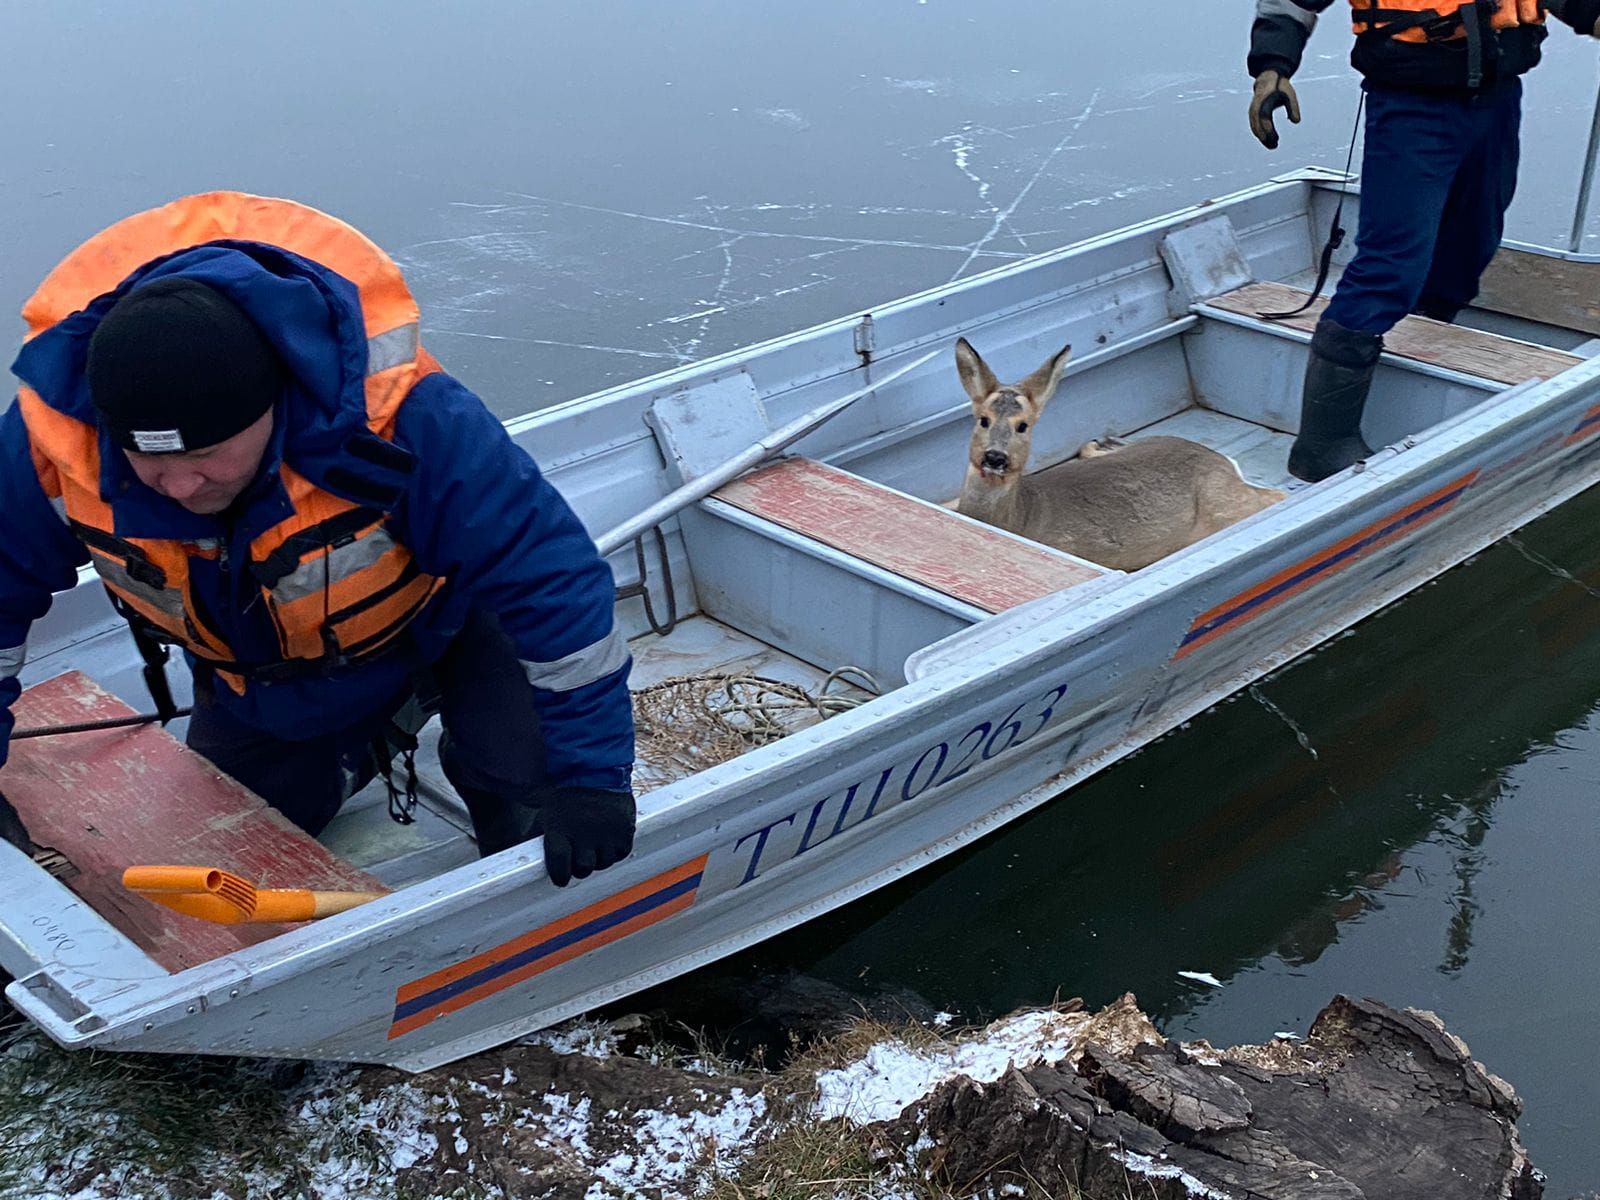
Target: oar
226, 899
703, 486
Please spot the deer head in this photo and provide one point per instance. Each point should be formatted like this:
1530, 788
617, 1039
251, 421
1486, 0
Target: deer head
1004, 415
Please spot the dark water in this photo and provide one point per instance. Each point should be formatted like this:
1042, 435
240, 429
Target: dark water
583, 194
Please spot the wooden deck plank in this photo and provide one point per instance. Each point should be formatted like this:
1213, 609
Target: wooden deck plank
1538, 287
116, 798
1471, 351
964, 560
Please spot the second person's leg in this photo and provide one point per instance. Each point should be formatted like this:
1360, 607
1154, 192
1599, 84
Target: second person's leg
1475, 214
1415, 145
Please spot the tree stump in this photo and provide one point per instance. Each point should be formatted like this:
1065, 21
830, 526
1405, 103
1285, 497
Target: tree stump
1375, 1103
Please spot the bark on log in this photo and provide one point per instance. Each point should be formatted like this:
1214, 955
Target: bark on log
1375, 1103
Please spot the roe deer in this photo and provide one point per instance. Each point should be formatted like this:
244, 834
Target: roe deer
1122, 505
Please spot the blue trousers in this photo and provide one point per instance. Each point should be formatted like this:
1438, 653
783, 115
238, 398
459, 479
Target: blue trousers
1437, 176
492, 751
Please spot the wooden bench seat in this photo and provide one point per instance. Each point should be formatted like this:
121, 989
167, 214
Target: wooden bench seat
1470, 351
974, 563
116, 798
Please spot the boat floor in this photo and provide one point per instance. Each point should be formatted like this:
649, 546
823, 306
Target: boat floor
441, 836
1261, 454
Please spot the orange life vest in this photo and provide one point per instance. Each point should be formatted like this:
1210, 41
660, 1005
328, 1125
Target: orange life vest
338, 588
1438, 20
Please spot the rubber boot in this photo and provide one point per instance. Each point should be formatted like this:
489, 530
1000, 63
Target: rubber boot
1338, 378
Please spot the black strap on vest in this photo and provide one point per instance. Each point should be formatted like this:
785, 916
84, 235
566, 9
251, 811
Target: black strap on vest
336, 531
395, 740
1474, 18
155, 657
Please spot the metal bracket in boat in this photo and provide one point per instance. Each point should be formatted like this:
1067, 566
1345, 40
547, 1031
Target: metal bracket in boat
1203, 259
1315, 174
641, 589
865, 339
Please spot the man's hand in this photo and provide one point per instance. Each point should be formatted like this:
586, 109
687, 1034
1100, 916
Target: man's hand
1272, 92
12, 829
585, 830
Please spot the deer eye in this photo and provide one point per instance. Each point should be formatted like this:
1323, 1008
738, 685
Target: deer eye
1022, 427
984, 421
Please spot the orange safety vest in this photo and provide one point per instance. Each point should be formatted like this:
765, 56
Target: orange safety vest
1438, 20
337, 587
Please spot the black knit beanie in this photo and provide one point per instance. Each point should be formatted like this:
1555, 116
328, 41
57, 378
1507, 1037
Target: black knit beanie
175, 365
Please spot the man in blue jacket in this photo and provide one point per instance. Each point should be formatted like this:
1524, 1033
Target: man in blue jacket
226, 411
1444, 109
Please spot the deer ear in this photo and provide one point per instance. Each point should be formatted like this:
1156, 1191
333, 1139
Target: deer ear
975, 374
1041, 385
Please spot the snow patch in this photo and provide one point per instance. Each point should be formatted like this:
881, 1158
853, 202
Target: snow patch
592, 1039
669, 1146
1141, 1164
893, 1076
391, 1121
568, 1122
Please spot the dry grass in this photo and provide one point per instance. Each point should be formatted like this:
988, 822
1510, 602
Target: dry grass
194, 1121
799, 1075
834, 1160
810, 1160
690, 722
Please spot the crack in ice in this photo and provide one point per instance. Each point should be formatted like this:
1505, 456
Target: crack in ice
1004, 215
710, 227
509, 337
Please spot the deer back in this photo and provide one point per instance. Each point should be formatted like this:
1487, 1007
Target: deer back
1127, 508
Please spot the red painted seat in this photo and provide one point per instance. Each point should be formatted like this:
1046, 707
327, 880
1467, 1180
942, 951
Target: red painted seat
122, 797
971, 562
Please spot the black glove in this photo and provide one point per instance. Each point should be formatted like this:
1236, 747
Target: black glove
11, 828
585, 830
1272, 92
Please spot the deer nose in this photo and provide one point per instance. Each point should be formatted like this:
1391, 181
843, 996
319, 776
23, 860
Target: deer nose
994, 460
